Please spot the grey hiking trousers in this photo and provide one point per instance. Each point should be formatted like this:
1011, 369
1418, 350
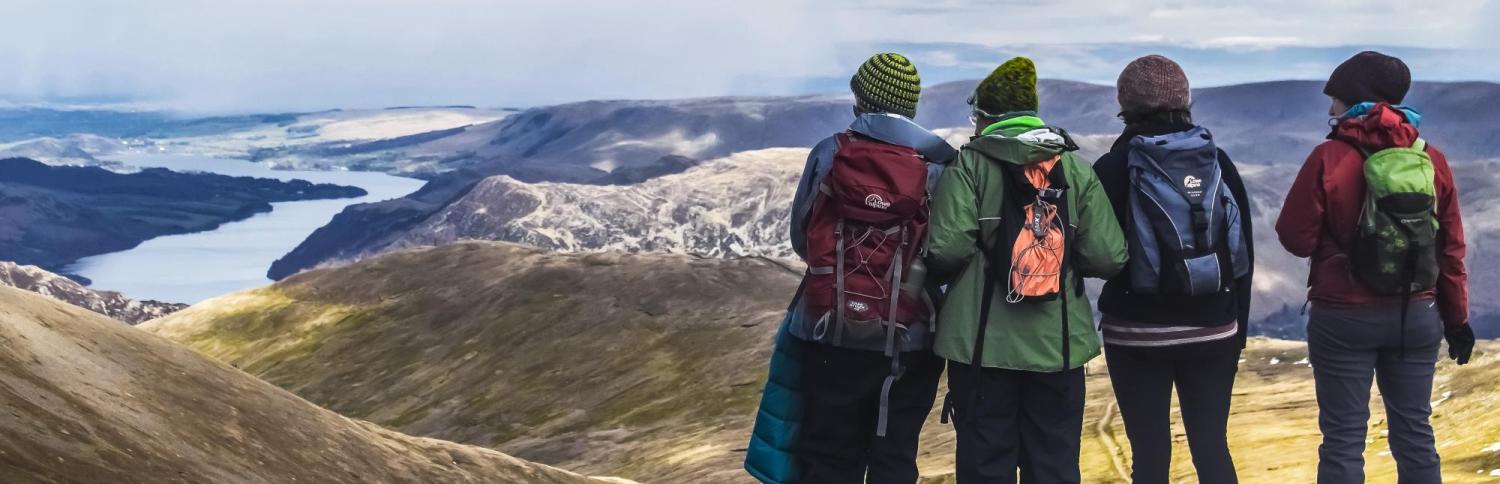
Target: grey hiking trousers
1347, 348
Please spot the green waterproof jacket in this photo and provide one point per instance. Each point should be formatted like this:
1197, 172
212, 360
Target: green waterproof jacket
966, 205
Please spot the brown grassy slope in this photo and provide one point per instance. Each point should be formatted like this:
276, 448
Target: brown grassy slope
87, 399
1273, 430
628, 365
649, 366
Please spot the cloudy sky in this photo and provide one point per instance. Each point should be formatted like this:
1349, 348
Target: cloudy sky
265, 55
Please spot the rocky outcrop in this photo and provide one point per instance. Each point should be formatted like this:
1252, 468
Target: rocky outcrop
732, 207
108, 303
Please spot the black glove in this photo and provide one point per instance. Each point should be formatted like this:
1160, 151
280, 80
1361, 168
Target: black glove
1460, 343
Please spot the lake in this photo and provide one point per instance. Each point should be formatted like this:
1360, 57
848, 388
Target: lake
189, 268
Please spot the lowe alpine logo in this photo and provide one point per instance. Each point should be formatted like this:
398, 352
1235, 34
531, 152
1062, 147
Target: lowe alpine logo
1191, 182
858, 307
876, 202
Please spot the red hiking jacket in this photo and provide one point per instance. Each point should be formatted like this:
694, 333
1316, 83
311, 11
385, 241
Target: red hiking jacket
1323, 207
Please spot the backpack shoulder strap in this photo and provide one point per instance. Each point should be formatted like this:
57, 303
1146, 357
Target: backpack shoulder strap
1363, 153
841, 139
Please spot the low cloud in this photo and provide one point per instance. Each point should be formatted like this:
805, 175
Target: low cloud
243, 55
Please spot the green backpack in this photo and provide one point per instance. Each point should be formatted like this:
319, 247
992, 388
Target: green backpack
1395, 246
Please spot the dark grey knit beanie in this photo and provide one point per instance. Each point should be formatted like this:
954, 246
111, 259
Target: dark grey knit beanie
1153, 83
1369, 76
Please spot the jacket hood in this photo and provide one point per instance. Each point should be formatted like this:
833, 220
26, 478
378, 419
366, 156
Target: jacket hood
1023, 141
900, 130
1159, 147
1147, 128
1375, 127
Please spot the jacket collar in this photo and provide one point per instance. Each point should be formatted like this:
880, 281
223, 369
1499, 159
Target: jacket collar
900, 130
1023, 143
1362, 109
1377, 127
1147, 128
1014, 121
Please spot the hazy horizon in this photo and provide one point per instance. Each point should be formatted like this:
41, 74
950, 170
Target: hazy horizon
289, 55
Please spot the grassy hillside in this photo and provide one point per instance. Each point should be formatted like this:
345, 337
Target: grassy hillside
1273, 430
628, 365
649, 366
88, 399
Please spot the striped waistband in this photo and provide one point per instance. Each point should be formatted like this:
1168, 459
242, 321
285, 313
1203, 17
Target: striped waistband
1120, 332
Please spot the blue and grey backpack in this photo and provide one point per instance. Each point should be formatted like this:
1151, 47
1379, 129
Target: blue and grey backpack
1183, 224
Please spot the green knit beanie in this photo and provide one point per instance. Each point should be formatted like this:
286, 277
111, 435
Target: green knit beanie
1011, 87
887, 83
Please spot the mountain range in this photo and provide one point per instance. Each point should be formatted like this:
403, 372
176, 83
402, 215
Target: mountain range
736, 205
696, 176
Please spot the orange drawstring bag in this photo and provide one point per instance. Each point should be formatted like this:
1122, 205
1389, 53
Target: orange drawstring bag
1036, 257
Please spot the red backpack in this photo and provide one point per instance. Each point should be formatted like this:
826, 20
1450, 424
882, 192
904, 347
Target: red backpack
864, 231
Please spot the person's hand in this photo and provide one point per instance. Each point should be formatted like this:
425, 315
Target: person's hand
1460, 343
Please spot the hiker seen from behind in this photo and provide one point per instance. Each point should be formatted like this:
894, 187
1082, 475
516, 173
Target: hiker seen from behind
855, 378
1377, 210
1018, 221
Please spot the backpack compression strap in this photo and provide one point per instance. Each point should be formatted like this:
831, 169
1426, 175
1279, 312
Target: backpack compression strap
1060, 181
1411, 264
838, 284
897, 270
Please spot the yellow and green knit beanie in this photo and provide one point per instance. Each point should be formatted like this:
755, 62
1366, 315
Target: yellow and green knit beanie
1011, 87
887, 83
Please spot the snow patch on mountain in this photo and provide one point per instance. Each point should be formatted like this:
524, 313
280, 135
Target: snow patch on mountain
392, 124
303, 141
675, 142
733, 206
108, 303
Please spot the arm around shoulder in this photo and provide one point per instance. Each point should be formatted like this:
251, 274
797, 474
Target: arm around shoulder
1244, 286
953, 229
1101, 243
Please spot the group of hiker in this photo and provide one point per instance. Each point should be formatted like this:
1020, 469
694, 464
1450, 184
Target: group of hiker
922, 257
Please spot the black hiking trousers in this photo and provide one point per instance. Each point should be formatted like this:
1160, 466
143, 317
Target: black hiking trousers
1025, 420
1203, 374
841, 407
1349, 347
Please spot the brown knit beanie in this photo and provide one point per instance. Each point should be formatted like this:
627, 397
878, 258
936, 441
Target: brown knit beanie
1153, 83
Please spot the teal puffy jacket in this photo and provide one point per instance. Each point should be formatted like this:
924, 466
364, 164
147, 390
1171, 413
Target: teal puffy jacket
770, 457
